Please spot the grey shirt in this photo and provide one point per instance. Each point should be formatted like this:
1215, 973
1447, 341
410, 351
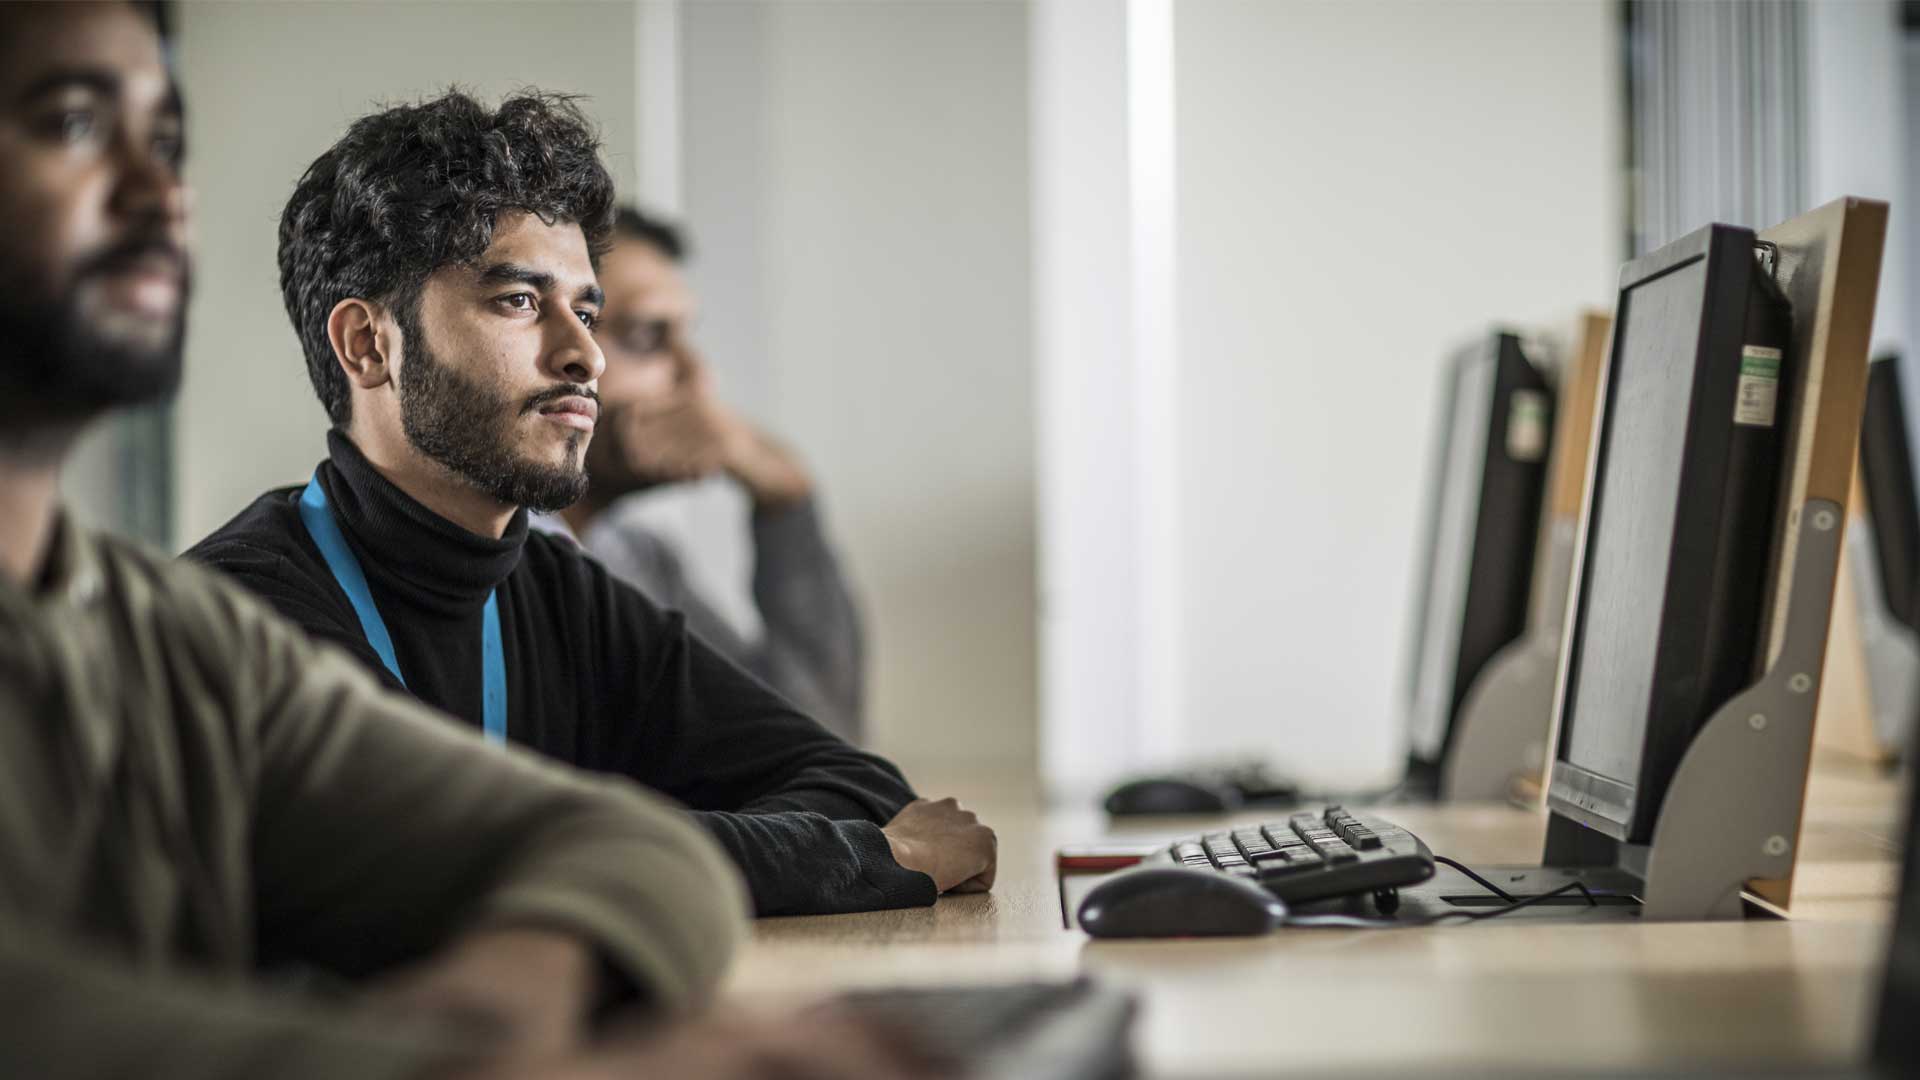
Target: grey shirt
190, 790
811, 651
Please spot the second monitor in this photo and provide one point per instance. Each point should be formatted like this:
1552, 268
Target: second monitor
1490, 472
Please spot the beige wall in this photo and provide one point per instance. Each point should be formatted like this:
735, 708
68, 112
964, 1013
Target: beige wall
856, 181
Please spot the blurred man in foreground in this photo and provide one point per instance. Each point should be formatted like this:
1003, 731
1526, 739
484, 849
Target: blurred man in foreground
192, 792
664, 424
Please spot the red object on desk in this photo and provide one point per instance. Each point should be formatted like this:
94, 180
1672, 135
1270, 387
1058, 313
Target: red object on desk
1100, 858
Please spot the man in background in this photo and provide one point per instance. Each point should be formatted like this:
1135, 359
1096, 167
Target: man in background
438, 264
662, 423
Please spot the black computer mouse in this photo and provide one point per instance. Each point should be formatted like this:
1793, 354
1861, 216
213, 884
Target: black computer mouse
1167, 795
1174, 901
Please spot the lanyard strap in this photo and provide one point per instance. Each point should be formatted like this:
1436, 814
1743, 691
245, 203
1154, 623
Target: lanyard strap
318, 518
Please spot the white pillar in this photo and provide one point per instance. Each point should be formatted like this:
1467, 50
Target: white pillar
1103, 239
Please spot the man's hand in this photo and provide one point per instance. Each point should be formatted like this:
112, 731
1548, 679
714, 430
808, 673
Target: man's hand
684, 435
944, 842
689, 434
531, 989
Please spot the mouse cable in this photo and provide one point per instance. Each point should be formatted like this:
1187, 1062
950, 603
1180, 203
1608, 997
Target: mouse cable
1514, 903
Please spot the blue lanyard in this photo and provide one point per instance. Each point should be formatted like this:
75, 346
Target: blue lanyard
346, 570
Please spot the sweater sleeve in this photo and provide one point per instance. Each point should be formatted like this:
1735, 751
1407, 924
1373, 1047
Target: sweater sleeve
380, 830
70, 1013
813, 648
797, 807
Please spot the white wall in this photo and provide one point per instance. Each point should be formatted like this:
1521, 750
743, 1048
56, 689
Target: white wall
856, 185
1360, 187
1857, 126
268, 88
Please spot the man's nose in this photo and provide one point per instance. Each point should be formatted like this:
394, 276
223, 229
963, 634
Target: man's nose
574, 355
151, 186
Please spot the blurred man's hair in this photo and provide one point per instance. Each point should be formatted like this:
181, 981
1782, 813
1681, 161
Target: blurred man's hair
411, 189
630, 223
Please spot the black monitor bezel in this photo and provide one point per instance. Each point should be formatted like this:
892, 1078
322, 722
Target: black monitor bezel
1605, 804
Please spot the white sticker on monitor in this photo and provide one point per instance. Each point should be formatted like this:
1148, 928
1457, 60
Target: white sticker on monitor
1759, 392
1527, 425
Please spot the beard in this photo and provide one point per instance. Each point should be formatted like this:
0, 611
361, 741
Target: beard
467, 427
69, 357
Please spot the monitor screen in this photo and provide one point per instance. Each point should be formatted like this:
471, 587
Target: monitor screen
1442, 611
1896, 1041
1630, 531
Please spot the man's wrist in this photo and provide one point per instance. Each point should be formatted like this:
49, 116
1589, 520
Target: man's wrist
900, 848
771, 475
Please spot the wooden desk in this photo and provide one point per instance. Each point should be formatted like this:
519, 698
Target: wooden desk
1520, 997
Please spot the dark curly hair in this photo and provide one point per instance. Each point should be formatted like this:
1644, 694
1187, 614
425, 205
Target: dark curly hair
414, 188
633, 223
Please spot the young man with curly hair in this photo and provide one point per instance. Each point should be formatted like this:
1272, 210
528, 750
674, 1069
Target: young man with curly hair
438, 263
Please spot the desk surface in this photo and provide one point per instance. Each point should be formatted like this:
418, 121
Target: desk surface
1595, 996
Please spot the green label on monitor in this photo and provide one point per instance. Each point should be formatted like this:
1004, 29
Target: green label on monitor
1527, 425
1758, 395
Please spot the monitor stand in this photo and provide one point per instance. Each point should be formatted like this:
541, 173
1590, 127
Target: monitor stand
1501, 734
1732, 812
1891, 648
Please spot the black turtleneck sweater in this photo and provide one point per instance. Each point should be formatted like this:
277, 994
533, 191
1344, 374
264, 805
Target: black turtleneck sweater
597, 676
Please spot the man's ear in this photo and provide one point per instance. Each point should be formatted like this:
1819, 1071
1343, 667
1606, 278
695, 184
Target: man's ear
364, 342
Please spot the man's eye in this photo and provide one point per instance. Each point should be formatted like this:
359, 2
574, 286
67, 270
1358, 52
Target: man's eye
170, 147
518, 301
73, 125
590, 318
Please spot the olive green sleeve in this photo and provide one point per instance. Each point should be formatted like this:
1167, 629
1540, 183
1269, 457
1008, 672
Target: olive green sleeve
382, 830
73, 1014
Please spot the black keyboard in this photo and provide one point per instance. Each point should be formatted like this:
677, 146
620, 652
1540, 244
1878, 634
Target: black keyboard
1077, 1030
1311, 856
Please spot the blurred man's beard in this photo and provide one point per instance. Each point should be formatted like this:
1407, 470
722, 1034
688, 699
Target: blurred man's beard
468, 427
64, 359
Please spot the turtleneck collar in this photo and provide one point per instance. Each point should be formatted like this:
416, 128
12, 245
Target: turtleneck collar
407, 550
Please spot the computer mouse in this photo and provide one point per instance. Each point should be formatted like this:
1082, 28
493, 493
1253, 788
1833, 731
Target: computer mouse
1167, 795
1174, 901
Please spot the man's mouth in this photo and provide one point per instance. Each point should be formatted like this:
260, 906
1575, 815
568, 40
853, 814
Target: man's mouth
572, 411
151, 283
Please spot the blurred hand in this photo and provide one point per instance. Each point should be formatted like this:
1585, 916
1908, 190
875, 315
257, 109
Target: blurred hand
686, 434
944, 842
820, 1044
530, 989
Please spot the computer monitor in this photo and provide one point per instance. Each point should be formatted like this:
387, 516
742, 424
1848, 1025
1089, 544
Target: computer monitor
1896, 1038
1483, 517
1886, 476
1673, 581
